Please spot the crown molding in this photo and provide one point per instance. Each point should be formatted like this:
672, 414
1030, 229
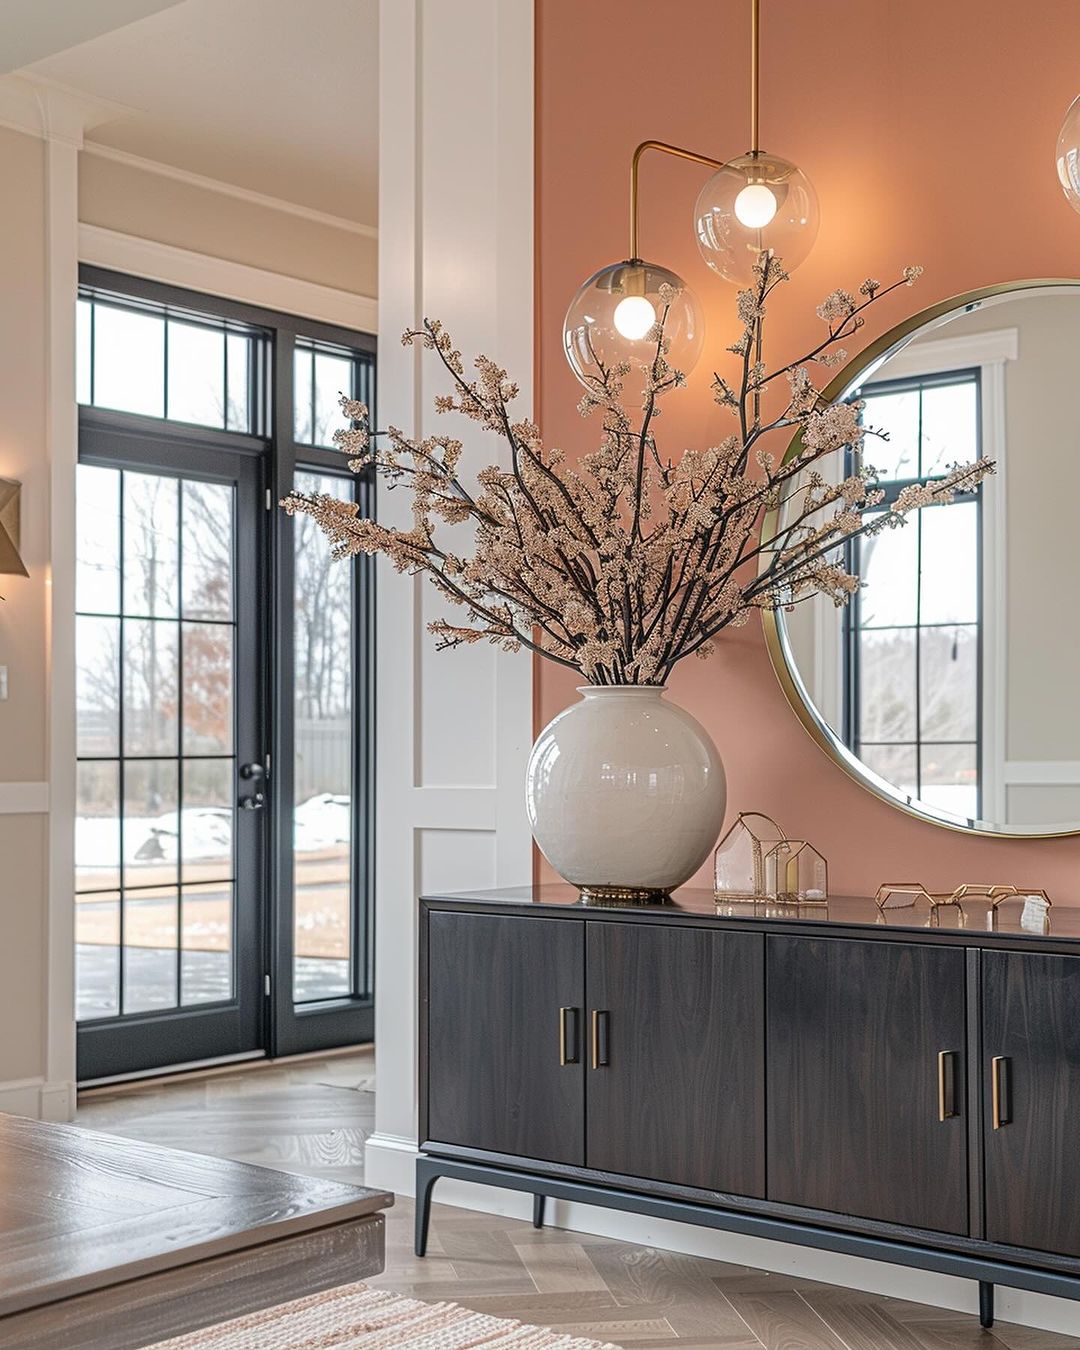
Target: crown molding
242, 194
53, 111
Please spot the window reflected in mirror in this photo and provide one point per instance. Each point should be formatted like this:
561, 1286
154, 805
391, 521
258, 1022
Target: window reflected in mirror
947, 684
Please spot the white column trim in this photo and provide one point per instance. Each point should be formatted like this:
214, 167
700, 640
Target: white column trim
62, 446
455, 243
229, 280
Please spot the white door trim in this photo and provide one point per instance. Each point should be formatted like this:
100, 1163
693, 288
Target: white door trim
226, 279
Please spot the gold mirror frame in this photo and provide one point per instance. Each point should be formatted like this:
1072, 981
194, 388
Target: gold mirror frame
854, 373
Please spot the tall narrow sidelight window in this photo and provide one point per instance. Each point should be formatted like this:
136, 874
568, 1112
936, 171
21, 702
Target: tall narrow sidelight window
323, 770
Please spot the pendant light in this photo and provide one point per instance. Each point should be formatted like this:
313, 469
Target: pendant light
1068, 155
753, 204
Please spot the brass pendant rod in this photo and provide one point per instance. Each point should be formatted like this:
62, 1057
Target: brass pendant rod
680, 153
755, 64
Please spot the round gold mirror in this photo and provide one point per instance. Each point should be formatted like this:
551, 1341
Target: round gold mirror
948, 685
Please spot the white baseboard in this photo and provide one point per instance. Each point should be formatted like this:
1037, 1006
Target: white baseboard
390, 1162
40, 1100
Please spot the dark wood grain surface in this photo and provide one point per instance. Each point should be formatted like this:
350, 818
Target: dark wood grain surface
1031, 1017
682, 1097
854, 1033
80, 1211
494, 1078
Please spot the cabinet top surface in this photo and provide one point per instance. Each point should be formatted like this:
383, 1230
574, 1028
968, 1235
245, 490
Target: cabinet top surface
972, 922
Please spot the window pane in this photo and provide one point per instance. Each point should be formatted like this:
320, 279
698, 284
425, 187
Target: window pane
323, 763
150, 942
239, 391
151, 544
950, 779
303, 366
97, 955
887, 564
887, 685
949, 688
206, 943
897, 414
97, 685
97, 540
895, 763
83, 320
150, 822
950, 426
333, 377
207, 844
208, 544
208, 684
97, 825
151, 684
950, 564
196, 389
129, 361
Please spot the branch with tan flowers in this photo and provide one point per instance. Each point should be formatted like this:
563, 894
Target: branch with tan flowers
625, 563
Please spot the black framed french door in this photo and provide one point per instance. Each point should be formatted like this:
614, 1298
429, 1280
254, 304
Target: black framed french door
224, 822
172, 770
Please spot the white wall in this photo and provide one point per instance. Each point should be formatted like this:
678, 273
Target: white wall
453, 728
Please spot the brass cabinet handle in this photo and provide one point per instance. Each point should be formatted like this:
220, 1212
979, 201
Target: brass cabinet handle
1000, 1093
568, 1036
600, 1038
946, 1085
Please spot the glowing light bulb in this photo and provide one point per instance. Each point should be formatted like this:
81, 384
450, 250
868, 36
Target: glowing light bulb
634, 316
755, 206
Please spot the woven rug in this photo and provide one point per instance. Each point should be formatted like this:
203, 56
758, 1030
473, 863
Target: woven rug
353, 1315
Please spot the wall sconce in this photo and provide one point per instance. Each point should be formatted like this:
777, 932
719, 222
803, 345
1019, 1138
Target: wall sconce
11, 564
753, 204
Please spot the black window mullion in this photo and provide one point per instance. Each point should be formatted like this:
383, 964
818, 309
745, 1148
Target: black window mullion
121, 774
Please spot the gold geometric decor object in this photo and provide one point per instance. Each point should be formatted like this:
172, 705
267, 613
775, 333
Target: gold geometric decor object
905, 894
11, 564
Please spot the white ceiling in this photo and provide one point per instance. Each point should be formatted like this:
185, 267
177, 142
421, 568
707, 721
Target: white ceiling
276, 96
32, 29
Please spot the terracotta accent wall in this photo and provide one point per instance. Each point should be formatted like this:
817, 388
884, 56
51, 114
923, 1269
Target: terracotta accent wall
929, 132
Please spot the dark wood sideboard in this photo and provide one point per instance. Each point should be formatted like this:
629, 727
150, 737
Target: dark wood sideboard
902, 1087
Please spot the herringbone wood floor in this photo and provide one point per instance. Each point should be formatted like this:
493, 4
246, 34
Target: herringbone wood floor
313, 1116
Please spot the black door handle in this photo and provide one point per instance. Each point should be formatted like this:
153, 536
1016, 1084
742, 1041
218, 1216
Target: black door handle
600, 1029
253, 770
255, 802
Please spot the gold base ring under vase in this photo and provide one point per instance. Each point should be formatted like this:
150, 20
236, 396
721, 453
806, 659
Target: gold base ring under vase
618, 897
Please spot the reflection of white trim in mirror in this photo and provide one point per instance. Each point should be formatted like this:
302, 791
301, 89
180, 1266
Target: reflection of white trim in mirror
989, 352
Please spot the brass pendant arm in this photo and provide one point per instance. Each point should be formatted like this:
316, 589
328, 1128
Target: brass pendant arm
680, 153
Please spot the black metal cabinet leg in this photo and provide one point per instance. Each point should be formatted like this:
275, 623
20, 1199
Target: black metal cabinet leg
538, 1211
986, 1303
426, 1177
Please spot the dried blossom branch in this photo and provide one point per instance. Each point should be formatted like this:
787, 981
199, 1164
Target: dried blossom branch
625, 564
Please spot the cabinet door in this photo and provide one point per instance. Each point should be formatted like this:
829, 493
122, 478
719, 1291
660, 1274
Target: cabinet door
504, 1061
675, 1088
1031, 1028
855, 1082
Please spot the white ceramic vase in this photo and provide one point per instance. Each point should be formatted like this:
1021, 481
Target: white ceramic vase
625, 794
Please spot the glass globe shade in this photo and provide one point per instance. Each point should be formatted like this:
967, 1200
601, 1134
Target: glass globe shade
756, 203
1068, 155
612, 315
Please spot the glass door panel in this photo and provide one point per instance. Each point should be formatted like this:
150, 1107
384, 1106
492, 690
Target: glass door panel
323, 761
166, 859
